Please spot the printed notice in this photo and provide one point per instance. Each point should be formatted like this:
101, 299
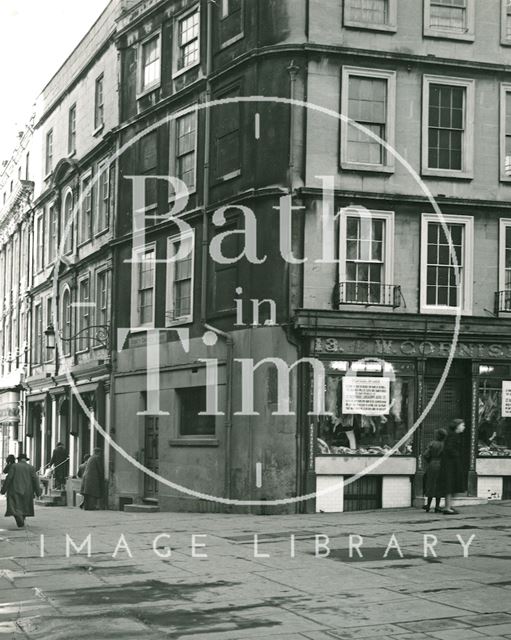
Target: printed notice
366, 396
506, 398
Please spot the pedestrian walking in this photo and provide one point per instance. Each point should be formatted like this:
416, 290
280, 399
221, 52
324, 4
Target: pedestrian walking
20, 486
58, 461
433, 458
9, 461
93, 481
452, 478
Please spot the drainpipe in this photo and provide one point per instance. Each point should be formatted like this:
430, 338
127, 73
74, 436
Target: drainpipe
228, 411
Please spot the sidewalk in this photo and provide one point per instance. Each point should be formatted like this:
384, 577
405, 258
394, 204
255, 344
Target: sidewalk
230, 594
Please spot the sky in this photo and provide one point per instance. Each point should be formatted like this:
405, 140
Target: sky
36, 36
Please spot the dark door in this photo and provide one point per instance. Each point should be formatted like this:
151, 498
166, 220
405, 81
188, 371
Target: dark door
452, 402
151, 456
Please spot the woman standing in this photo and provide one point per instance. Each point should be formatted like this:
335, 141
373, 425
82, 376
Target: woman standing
452, 478
433, 458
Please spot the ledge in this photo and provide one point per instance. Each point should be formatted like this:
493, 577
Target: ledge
198, 442
350, 465
493, 466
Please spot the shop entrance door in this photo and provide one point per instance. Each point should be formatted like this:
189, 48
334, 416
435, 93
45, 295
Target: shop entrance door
452, 402
151, 456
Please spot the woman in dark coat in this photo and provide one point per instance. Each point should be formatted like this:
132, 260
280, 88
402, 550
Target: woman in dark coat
452, 478
20, 486
92, 481
10, 460
433, 457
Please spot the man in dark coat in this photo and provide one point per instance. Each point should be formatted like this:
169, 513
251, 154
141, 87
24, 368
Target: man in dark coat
20, 486
58, 461
93, 481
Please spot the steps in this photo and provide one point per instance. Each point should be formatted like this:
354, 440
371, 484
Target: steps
53, 499
142, 508
457, 501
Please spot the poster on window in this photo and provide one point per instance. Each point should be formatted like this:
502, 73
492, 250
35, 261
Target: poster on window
365, 396
506, 398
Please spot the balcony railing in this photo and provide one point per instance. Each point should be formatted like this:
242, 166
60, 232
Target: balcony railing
381, 295
503, 301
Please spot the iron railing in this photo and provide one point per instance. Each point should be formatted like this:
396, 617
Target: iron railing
503, 301
382, 295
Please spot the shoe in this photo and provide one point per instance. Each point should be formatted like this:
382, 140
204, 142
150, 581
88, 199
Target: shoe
438, 510
426, 509
450, 512
20, 521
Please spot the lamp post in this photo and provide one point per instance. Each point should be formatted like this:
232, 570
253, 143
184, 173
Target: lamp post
100, 335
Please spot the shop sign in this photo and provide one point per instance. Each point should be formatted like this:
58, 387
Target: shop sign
506, 398
366, 396
383, 348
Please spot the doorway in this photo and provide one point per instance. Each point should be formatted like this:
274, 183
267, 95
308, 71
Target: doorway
151, 453
452, 402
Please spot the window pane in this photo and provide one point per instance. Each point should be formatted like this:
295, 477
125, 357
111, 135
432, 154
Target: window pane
368, 11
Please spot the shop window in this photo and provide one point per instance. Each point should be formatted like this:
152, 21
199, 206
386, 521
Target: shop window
180, 279
192, 401
448, 115
445, 286
366, 260
368, 98
494, 427
359, 424
449, 19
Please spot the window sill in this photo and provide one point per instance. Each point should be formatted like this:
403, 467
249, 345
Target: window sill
148, 90
505, 178
446, 35
232, 40
99, 129
505, 42
179, 322
445, 311
98, 234
83, 243
447, 174
194, 442
388, 28
229, 176
375, 168
176, 74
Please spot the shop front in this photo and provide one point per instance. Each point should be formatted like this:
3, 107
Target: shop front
387, 390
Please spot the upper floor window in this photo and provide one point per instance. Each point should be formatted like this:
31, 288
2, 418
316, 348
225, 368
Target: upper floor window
191, 403
49, 152
53, 231
39, 247
86, 210
99, 105
143, 283
227, 140
180, 256
68, 223
184, 149
50, 353
188, 40
27, 166
378, 15
84, 310
103, 191
505, 258
66, 321
102, 297
366, 256
231, 21
505, 131
71, 133
368, 98
446, 287
37, 344
449, 19
505, 37
150, 63
447, 128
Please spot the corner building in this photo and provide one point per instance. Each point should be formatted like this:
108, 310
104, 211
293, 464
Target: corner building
381, 314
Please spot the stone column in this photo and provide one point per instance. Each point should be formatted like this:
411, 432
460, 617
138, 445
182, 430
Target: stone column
54, 422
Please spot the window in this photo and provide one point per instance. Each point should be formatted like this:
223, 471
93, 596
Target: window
226, 276
150, 70
188, 40
103, 189
71, 131
179, 307
27, 165
505, 263
37, 355
448, 119
53, 231
86, 210
366, 260
147, 166
378, 15
102, 297
49, 152
231, 21
84, 307
143, 288
368, 98
49, 320
99, 106
192, 401
66, 321
505, 132
67, 223
227, 144
185, 149
506, 22
440, 292
39, 248
449, 19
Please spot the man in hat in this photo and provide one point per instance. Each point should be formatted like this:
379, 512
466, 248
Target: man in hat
93, 481
58, 461
20, 486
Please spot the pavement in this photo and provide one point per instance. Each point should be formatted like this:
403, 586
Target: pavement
144, 577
